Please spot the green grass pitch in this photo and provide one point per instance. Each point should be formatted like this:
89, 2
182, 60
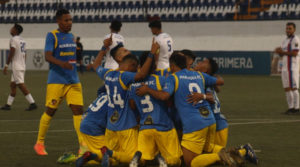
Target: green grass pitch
252, 104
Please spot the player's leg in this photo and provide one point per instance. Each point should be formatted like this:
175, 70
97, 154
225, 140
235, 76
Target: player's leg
286, 82
73, 94
146, 147
295, 87
28, 97
54, 97
221, 137
169, 147
11, 96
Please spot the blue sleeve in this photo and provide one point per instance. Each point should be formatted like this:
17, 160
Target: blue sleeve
127, 77
50, 42
169, 85
131, 93
209, 80
101, 72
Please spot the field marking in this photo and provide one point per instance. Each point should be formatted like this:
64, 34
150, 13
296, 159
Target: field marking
232, 124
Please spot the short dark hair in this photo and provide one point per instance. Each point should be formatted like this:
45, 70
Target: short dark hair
291, 24
155, 24
116, 25
78, 38
130, 57
61, 12
178, 59
114, 50
143, 59
19, 28
213, 66
188, 53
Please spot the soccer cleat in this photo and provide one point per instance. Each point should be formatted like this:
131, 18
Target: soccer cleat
135, 160
236, 155
5, 107
250, 154
66, 158
105, 158
226, 159
40, 149
290, 111
296, 111
162, 162
87, 156
31, 107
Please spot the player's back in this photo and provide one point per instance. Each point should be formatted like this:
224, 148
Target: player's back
120, 116
109, 61
166, 49
94, 120
18, 60
153, 112
63, 47
193, 117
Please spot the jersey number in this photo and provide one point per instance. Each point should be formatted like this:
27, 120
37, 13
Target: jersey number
100, 102
169, 46
22, 44
193, 87
147, 101
117, 99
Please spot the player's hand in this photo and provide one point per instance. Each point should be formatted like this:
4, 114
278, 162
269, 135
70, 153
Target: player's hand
155, 46
142, 91
278, 51
210, 98
107, 42
195, 98
67, 65
5, 71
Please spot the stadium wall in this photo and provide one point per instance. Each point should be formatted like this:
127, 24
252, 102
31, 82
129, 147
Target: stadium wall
238, 47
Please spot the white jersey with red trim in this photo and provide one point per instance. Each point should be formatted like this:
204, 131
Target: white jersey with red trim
110, 63
290, 63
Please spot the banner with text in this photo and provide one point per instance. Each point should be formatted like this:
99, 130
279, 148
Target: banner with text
230, 62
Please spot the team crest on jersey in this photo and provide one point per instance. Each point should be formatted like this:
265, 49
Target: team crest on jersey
148, 121
53, 101
204, 112
115, 117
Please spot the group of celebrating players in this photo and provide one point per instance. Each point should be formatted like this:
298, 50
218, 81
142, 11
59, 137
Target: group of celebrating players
158, 109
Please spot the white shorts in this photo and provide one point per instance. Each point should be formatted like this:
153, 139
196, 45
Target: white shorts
17, 76
290, 79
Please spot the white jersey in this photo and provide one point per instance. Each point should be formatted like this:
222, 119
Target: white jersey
18, 60
290, 63
110, 63
166, 49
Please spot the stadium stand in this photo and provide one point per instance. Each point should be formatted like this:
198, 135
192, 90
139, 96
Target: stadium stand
42, 11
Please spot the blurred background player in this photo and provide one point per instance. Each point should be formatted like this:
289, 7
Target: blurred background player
157, 132
115, 28
63, 81
165, 43
79, 50
17, 57
289, 52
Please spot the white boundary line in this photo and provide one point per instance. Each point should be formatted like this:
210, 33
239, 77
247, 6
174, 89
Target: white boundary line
231, 124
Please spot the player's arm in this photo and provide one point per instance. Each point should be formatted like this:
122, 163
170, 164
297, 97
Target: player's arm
10, 56
49, 48
162, 95
146, 67
195, 97
287, 53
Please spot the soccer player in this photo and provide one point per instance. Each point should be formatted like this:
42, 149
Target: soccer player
121, 133
17, 56
79, 50
115, 28
157, 132
92, 129
190, 58
63, 81
289, 51
197, 118
166, 47
210, 67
